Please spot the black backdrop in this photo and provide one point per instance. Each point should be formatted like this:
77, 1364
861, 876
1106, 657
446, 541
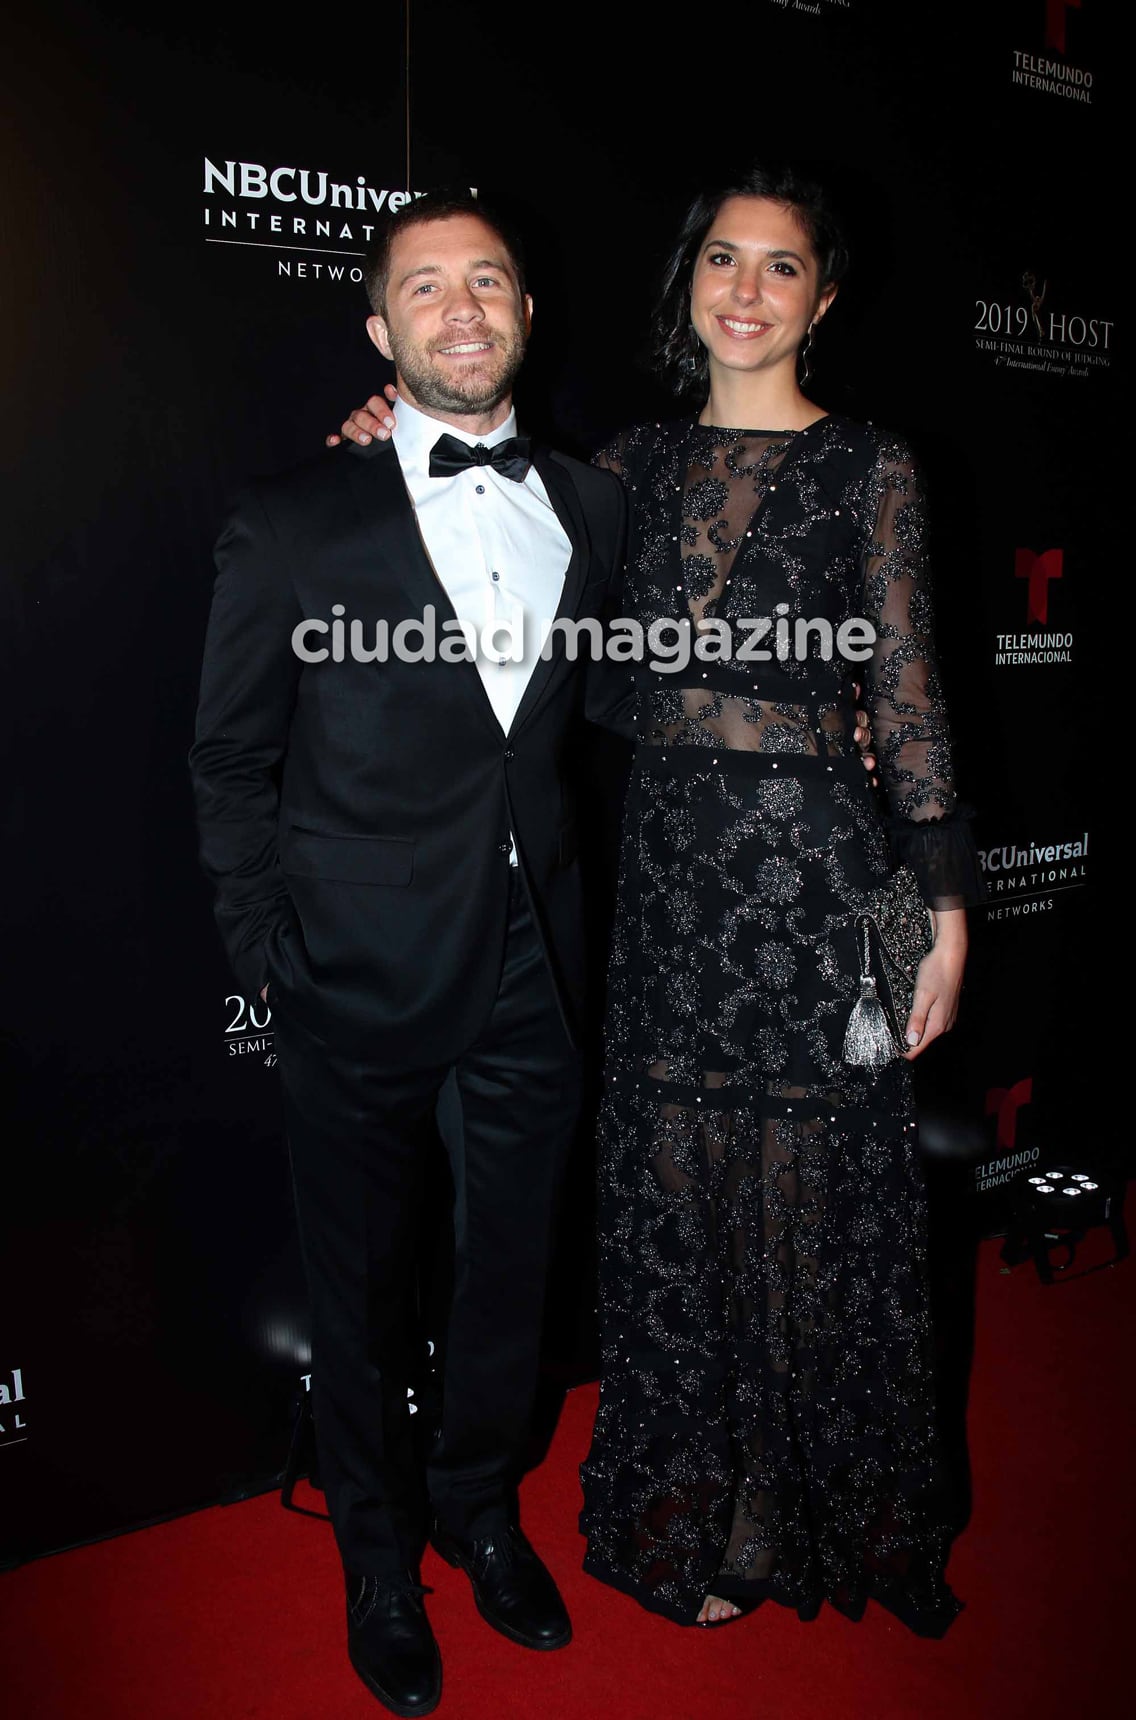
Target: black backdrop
151, 1316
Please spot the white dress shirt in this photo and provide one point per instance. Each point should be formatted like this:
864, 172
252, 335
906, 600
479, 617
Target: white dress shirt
497, 548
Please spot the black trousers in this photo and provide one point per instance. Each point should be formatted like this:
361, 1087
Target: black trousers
359, 1134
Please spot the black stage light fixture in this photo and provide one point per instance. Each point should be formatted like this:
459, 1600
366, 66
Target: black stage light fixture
1052, 1209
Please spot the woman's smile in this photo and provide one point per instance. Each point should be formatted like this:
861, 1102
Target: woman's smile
743, 328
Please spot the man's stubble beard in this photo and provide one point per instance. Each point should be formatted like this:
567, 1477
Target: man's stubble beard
439, 394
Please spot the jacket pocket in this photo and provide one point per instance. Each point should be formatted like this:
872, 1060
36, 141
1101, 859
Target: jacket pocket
387, 860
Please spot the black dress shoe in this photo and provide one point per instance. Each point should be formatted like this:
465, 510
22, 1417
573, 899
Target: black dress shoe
513, 1590
390, 1643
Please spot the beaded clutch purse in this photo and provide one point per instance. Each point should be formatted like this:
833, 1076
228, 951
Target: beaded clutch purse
896, 931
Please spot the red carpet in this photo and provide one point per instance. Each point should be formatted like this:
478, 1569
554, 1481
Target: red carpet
238, 1612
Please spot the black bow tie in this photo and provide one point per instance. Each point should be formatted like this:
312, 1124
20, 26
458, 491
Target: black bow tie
511, 458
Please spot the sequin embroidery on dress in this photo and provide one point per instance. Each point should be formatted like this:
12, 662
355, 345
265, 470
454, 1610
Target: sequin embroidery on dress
767, 1417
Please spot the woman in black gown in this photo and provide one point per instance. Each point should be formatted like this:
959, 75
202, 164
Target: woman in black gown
767, 1421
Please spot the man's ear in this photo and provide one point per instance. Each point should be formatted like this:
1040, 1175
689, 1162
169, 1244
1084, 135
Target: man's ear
528, 313
377, 329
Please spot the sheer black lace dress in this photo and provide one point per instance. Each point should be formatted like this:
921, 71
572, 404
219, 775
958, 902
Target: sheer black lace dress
767, 1420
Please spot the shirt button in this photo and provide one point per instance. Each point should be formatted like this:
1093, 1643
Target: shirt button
480, 489
494, 576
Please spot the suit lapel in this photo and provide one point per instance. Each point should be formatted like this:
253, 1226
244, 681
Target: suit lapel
566, 503
388, 513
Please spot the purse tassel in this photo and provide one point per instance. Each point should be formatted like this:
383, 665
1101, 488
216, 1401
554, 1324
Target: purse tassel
868, 1042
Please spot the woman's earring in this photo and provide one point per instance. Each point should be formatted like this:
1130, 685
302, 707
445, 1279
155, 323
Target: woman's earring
805, 351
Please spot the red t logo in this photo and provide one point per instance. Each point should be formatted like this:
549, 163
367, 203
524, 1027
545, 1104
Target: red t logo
1055, 11
1039, 570
1005, 1103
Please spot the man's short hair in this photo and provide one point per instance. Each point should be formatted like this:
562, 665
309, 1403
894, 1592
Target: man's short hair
439, 205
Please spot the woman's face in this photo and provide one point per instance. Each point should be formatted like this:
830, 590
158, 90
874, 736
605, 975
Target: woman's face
755, 288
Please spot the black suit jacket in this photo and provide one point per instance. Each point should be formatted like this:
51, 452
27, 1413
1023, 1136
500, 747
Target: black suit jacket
355, 817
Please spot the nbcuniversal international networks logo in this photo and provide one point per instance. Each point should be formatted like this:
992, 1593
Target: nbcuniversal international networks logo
313, 226
13, 1408
1022, 878
1037, 570
1050, 71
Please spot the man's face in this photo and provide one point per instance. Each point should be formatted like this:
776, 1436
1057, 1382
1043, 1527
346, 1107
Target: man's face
456, 323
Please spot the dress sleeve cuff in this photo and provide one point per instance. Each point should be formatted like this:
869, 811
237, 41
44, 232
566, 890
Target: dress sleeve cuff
943, 856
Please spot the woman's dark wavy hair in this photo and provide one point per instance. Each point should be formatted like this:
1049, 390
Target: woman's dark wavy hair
678, 351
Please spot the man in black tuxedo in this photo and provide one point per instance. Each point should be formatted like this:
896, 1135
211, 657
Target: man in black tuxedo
393, 849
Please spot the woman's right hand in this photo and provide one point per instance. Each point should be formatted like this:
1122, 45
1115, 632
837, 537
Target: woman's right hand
373, 420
